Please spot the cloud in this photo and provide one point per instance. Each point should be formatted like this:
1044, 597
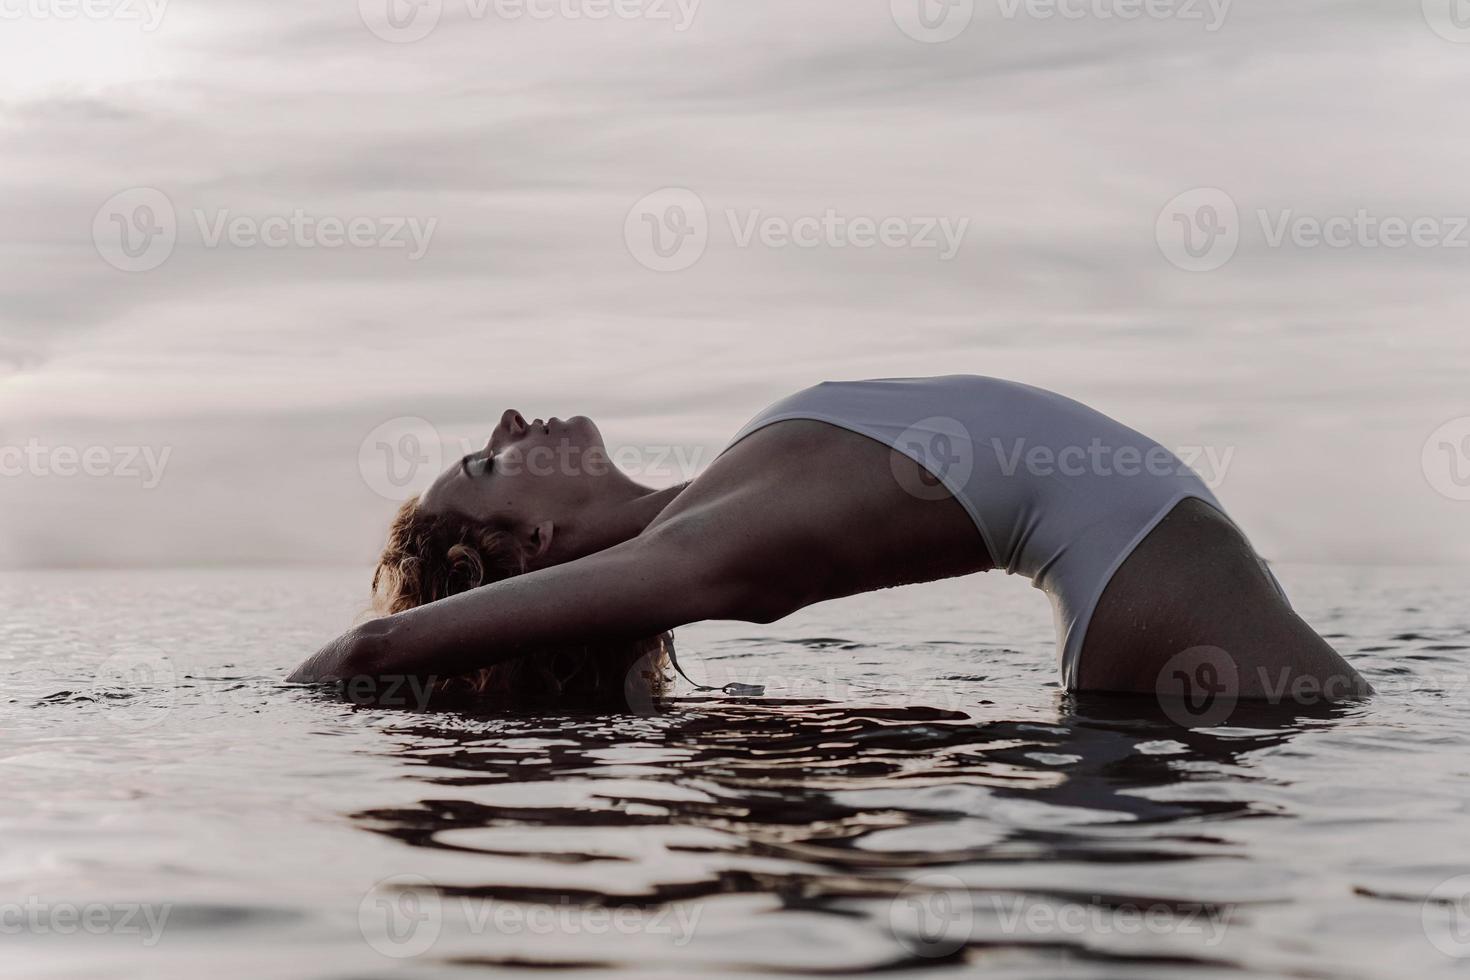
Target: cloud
527, 142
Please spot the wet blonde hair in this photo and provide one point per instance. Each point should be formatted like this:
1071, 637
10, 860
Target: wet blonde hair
433, 556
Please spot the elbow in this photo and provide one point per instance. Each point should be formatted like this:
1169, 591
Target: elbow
356, 653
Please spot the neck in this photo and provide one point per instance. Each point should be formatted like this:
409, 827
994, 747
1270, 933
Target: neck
629, 516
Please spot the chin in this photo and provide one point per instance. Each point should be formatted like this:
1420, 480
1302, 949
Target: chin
587, 429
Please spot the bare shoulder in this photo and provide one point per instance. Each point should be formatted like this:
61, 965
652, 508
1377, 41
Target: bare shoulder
807, 511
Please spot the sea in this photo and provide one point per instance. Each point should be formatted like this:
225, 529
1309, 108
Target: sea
913, 794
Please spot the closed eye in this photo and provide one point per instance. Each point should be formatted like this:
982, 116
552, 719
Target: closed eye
474, 466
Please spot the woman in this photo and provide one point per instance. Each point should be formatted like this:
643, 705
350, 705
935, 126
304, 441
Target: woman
843, 488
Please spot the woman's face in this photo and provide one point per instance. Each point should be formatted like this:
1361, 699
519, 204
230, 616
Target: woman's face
528, 473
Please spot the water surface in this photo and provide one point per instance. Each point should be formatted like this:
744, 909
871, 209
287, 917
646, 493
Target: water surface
914, 794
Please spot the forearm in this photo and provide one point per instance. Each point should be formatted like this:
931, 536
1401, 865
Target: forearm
638, 588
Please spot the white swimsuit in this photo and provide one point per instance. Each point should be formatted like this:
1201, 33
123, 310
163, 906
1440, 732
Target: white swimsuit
1059, 492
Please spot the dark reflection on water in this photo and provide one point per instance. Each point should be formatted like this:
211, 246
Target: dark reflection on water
915, 793
796, 780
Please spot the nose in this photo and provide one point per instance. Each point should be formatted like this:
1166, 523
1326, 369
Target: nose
512, 425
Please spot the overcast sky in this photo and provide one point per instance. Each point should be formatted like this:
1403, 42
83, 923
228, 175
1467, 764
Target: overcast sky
181, 300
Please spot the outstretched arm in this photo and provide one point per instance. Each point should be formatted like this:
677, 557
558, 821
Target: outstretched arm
646, 585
